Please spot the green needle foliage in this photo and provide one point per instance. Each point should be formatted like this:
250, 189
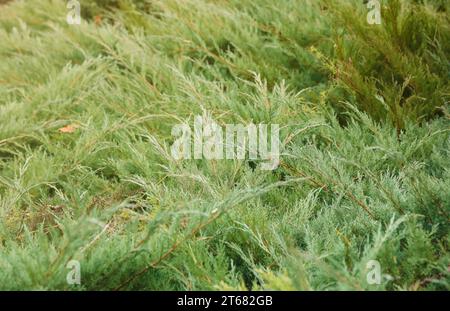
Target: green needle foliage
86, 173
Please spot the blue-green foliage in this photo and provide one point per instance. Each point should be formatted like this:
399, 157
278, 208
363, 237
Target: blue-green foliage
364, 172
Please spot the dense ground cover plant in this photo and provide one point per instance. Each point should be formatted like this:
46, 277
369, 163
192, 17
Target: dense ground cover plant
86, 113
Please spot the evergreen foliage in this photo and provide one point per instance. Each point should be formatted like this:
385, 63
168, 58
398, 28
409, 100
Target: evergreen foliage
365, 170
